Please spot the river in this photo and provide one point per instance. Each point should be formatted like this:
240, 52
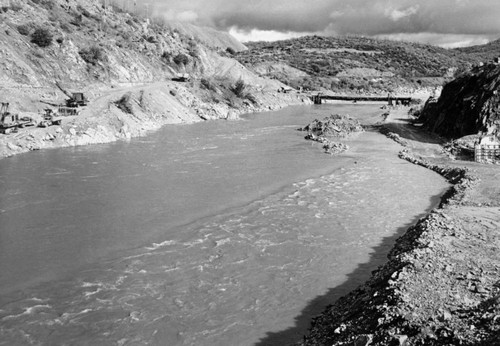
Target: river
217, 233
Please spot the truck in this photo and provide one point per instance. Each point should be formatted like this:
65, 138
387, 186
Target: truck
50, 117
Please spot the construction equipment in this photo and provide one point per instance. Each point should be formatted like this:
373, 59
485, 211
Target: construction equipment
75, 99
184, 77
8, 121
68, 111
50, 117
25, 122
11, 122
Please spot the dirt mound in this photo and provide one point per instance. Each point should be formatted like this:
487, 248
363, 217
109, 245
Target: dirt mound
467, 105
334, 126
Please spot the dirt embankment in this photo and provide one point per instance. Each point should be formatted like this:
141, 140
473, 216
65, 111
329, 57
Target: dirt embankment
441, 284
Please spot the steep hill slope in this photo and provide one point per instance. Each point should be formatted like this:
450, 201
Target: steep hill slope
468, 105
209, 36
356, 63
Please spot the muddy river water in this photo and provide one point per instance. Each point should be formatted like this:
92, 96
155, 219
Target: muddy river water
218, 233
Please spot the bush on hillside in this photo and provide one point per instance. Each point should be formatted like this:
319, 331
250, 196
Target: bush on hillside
42, 37
48, 4
24, 29
230, 51
66, 28
181, 59
193, 49
239, 88
125, 103
92, 55
208, 84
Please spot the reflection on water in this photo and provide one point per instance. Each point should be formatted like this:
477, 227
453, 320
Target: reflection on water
210, 234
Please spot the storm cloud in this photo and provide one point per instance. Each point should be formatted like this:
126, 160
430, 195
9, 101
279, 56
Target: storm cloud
427, 20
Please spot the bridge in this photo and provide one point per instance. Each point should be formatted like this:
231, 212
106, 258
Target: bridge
391, 100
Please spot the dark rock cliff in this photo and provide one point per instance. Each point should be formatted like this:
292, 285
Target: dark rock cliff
468, 105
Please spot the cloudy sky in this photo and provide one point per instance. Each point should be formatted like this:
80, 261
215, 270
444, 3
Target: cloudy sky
443, 22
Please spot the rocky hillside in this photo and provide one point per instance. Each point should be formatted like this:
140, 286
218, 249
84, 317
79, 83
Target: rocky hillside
467, 105
126, 65
81, 42
353, 63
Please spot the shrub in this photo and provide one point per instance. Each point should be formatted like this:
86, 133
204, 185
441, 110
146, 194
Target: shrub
92, 55
16, 7
239, 88
208, 84
42, 37
84, 12
193, 49
252, 98
125, 104
150, 39
230, 51
24, 29
165, 56
65, 27
48, 4
181, 59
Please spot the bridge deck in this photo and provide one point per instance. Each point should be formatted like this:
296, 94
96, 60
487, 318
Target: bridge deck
319, 98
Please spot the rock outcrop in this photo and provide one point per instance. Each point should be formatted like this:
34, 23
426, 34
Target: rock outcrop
468, 105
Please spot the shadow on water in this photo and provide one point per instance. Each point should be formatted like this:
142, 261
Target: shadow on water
359, 276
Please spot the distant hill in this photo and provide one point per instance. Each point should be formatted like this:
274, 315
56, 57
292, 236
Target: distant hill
485, 52
356, 63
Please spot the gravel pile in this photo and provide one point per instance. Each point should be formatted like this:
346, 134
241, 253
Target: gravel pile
335, 126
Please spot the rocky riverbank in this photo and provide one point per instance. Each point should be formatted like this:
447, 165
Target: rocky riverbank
441, 284
150, 107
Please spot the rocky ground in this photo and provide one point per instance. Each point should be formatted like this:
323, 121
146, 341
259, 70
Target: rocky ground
441, 285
